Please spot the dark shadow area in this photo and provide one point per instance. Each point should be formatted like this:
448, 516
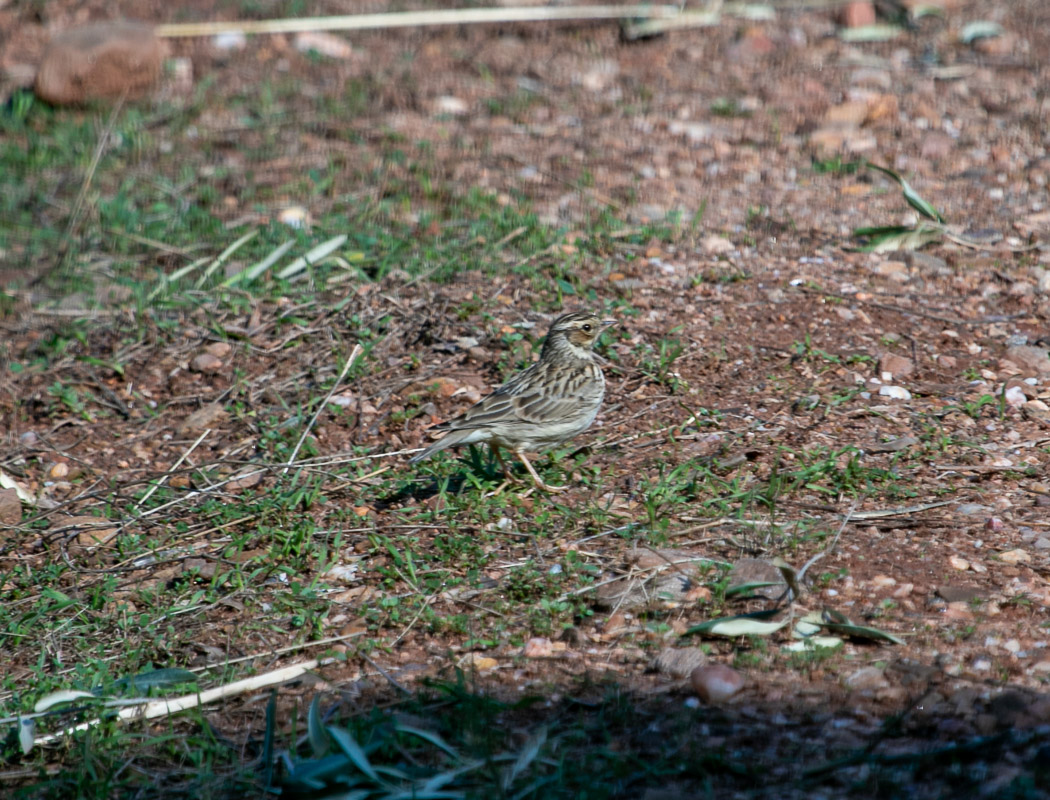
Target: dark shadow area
479, 737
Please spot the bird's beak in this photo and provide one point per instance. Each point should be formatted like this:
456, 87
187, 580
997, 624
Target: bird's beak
607, 322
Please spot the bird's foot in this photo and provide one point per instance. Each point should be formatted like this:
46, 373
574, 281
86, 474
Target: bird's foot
536, 479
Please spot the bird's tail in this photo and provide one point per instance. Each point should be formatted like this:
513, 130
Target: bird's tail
449, 440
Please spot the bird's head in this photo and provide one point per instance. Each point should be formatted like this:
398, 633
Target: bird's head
580, 328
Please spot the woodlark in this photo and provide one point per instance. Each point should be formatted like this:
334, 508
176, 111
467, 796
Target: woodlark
555, 399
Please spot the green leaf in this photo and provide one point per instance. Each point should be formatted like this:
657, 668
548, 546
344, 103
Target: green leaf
861, 632
757, 12
259, 267
880, 230
168, 676
315, 775
809, 625
526, 757
814, 643
224, 256
428, 736
169, 280
897, 238
7, 482
413, 794
915, 200
831, 615
741, 625
981, 29
392, 772
314, 256
315, 733
871, 33
268, 737
26, 735
98, 362
54, 594
58, 698
353, 751
434, 783
925, 10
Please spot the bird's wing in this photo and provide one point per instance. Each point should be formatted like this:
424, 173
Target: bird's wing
543, 407
497, 407
527, 398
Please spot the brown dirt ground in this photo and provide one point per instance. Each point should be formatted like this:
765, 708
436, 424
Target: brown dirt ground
629, 125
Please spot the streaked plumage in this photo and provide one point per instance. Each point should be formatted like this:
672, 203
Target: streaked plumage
542, 406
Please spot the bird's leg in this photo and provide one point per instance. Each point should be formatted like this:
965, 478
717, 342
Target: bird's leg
535, 476
503, 464
508, 477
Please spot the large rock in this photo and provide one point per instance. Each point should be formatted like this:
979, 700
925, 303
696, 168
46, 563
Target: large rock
105, 60
10, 507
1033, 361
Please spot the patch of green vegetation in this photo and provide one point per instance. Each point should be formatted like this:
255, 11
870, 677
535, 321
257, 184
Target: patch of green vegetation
514, 106
893, 238
592, 752
836, 166
845, 396
659, 362
670, 489
973, 373
811, 658
807, 351
70, 398
165, 230
589, 749
109, 629
825, 579
728, 107
975, 408
833, 472
721, 277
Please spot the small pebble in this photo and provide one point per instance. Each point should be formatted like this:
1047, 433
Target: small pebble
716, 683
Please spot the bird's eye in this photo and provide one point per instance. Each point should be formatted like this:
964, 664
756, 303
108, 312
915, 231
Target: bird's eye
587, 327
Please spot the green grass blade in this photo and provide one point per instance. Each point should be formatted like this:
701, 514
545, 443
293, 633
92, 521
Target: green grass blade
314, 256
259, 267
915, 200
224, 255
353, 751
315, 732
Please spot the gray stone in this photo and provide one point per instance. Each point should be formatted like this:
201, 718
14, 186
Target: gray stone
963, 594
1033, 361
867, 679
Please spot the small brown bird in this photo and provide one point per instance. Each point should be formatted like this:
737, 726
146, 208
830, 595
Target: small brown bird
542, 406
